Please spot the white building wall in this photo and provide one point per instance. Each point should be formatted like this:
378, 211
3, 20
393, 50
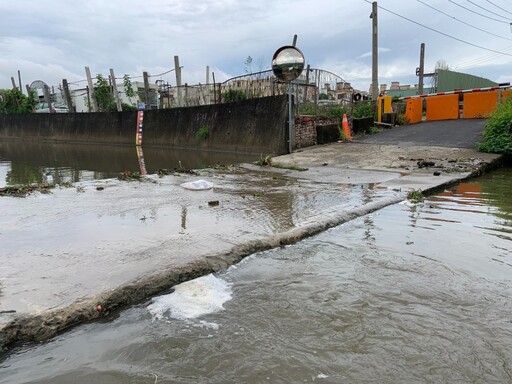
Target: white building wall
79, 96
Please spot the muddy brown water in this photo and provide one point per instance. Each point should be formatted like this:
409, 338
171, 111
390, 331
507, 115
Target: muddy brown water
30, 163
409, 294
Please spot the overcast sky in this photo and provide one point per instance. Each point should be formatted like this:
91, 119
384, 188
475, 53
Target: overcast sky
54, 39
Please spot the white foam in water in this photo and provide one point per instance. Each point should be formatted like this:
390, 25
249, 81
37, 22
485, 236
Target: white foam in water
192, 299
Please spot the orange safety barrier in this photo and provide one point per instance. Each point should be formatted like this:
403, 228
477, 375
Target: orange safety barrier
479, 104
384, 105
505, 94
443, 107
414, 110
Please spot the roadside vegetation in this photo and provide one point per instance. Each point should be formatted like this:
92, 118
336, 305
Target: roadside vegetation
498, 131
14, 102
233, 95
105, 99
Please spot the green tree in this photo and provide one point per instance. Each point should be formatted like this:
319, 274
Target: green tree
128, 88
103, 95
13, 101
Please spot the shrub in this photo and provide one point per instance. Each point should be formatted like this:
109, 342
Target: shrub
498, 131
333, 111
402, 119
13, 101
233, 95
364, 109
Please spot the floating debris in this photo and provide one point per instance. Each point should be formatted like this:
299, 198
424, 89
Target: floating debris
198, 185
164, 172
129, 176
24, 190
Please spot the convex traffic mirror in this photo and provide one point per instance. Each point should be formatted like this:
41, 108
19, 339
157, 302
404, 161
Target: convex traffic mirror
287, 63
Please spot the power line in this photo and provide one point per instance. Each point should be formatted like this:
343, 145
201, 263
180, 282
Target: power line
486, 10
480, 60
463, 22
471, 10
442, 33
129, 76
497, 6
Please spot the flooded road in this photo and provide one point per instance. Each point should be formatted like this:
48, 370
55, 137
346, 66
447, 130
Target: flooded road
411, 293
30, 163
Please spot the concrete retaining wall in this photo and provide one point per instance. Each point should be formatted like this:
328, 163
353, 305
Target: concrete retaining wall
248, 126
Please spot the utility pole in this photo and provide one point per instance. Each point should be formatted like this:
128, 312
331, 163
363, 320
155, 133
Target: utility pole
114, 90
92, 102
65, 85
208, 94
19, 78
48, 98
146, 89
375, 53
421, 69
177, 70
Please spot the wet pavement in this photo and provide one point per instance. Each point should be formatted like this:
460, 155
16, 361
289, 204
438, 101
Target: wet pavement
114, 243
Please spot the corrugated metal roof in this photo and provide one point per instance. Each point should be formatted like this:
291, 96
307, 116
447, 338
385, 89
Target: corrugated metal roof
451, 81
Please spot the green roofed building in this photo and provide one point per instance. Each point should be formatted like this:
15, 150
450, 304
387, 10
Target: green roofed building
451, 81
443, 81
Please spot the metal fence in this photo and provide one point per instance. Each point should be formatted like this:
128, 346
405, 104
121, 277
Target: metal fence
315, 86
307, 88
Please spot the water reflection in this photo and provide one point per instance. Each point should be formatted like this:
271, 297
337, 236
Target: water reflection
25, 163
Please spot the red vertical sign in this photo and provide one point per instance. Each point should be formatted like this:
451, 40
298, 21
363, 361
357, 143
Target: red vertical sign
138, 132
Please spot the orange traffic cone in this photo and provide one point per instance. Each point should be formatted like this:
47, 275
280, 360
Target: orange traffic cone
344, 126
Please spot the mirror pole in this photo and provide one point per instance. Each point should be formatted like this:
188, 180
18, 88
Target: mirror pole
290, 126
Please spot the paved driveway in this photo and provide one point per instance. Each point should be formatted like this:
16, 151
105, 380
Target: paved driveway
463, 133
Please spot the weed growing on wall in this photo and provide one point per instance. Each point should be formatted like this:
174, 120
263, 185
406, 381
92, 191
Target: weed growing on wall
498, 131
203, 132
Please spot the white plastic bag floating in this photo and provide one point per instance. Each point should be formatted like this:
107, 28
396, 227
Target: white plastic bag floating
199, 185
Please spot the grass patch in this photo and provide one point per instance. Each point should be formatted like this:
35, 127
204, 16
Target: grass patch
374, 130
292, 167
264, 161
416, 196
